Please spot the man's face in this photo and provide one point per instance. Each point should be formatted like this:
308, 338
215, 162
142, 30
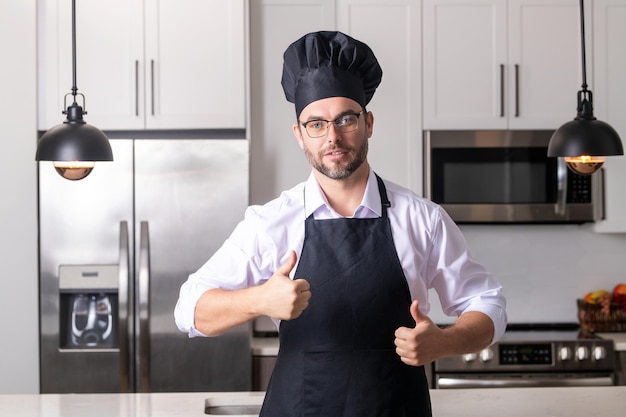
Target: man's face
338, 153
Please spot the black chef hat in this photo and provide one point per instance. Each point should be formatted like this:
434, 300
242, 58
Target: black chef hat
329, 64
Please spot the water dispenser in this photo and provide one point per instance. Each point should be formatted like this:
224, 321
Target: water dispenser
88, 306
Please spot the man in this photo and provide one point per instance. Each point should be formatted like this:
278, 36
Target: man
344, 261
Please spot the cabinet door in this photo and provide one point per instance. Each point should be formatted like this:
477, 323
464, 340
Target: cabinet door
464, 64
396, 145
609, 90
108, 51
274, 24
195, 64
545, 67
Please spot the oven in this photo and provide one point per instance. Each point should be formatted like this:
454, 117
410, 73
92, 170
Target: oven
532, 356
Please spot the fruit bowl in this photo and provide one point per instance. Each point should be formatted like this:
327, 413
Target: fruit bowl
594, 318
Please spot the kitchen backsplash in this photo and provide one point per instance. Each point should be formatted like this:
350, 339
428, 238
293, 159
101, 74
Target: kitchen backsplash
544, 268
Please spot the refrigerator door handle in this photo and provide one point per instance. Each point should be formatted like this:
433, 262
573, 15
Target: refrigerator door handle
124, 309
142, 323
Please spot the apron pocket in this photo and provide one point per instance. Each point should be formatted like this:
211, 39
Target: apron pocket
327, 375
379, 386
339, 383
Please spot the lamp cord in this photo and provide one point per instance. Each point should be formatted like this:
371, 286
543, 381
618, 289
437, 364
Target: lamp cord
582, 44
74, 88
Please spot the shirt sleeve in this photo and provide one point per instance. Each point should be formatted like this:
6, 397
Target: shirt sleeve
255, 249
461, 283
230, 268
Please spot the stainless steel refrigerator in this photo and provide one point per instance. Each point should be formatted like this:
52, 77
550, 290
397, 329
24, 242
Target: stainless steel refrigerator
115, 248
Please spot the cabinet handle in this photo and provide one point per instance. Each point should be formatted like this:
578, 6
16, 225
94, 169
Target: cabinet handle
136, 88
516, 90
501, 90
152, 84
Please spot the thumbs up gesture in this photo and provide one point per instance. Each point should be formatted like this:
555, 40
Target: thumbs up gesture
283, 298
418, 345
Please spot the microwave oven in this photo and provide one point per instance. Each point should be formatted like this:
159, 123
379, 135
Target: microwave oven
506, 177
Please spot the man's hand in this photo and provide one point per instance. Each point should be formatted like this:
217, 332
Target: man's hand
419, 345
282, 297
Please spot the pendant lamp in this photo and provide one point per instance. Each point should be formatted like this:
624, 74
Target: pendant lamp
585, 141
74, 146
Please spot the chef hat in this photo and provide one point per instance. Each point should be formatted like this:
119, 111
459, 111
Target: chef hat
329, 64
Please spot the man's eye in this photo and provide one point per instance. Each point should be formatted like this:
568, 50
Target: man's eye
316, 124
343, 120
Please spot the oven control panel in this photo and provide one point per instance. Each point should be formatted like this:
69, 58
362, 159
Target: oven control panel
525, 354
581, 355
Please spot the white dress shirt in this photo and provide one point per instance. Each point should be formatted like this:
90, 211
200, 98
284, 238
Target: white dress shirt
431, 248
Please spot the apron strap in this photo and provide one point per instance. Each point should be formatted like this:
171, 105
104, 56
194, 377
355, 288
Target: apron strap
384, 200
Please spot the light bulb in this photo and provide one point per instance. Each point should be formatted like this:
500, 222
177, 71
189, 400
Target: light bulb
74, 170
585, 164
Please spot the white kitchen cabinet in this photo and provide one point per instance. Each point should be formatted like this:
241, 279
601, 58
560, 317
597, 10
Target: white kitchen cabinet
609, 99
154, 64
395, 148
500, 64
392, 28
279, 163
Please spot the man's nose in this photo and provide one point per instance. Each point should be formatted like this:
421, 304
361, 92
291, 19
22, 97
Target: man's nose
333, 134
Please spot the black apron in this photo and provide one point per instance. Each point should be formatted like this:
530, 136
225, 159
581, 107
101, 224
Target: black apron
338, 358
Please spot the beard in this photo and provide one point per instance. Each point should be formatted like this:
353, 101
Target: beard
338, 171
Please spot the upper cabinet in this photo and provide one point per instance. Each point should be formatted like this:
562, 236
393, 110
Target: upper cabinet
500, 64
392, 28
153, 64
609, 99
395, 148
279, 163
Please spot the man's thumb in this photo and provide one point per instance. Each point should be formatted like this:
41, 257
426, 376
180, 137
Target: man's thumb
286, 268
416, 314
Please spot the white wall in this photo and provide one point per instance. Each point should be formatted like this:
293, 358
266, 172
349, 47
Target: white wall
19, 341
545, 268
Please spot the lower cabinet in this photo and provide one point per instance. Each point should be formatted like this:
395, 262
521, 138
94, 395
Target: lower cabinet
262, 367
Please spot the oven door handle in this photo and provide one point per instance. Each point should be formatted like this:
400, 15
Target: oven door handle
543, 381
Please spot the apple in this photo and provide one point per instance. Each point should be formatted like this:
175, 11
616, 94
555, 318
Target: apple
619, 294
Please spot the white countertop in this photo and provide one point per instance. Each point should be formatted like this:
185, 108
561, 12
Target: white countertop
488, 402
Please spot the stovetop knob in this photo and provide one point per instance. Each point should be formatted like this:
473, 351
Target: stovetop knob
486, 355
565, 353
599, 353
469, 357
582, 353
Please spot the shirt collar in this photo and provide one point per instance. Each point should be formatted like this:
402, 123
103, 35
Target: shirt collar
315, 201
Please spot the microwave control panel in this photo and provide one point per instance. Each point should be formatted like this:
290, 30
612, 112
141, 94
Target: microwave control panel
578, 188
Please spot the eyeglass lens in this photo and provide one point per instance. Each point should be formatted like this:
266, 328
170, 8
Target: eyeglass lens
345, 123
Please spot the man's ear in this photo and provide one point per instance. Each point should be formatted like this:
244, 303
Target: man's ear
370, 123
298, 134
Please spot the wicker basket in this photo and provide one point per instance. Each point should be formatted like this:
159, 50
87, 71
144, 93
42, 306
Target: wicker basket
591, 317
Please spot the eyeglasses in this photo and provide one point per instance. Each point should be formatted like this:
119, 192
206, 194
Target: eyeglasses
345, 123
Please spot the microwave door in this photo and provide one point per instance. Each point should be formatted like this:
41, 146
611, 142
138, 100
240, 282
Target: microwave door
506, 177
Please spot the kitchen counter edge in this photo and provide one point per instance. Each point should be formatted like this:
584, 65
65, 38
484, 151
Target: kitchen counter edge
496, 402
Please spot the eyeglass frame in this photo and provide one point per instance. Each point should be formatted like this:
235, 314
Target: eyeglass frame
334, 122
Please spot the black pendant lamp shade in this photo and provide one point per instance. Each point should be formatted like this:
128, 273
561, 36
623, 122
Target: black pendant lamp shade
585, 141
74, 145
